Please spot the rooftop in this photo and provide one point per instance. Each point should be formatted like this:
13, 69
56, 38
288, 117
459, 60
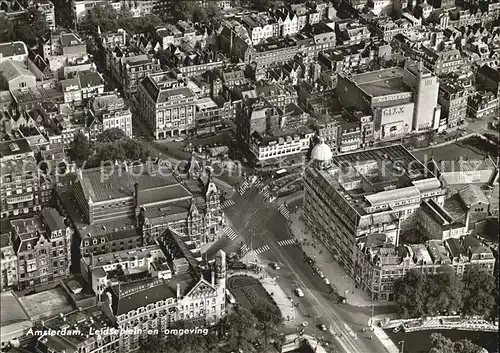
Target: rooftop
13, 147
12, 311
376, 176
55, 301
125, 255
382, 82
36, 94
117, 182
13, 49
11, 69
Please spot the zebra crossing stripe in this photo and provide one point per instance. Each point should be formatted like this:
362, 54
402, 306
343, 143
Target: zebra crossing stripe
262, 249
287, 242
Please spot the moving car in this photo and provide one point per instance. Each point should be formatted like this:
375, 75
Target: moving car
322, 327
299, 292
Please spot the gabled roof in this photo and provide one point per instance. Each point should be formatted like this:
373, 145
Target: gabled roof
11, 70
472, 195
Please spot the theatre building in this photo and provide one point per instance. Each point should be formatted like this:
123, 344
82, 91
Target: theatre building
401, 101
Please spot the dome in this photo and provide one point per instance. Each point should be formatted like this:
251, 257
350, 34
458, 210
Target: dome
321, 152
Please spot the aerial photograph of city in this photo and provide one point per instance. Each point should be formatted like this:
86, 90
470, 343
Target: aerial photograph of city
249, 176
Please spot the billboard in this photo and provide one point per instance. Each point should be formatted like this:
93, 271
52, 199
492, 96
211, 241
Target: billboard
399, 115
392, 97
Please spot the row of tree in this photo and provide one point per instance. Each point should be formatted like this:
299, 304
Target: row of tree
106, 18
29, 31
109, 19
418, 295
236, 331
111, 145
441, 344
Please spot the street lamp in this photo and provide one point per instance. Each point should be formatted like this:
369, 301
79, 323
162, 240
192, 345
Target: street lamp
314, 324
402, 343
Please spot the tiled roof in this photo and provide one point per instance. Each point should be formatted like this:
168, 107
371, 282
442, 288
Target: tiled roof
472, 194
90, 79
11, 69
52, 219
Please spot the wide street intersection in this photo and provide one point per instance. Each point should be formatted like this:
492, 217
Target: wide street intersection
263, 228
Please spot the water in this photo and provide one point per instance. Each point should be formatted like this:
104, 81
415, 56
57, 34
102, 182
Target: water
418, 342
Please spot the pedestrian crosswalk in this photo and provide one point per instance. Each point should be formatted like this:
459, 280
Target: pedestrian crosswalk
244, 187
265, 193
227, 203
284, 211
262, 249
287, 242
244, 249
230, 233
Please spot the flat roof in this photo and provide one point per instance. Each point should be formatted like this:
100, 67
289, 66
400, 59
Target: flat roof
391, 173
12, 311
381, 82
13, 147
54, 301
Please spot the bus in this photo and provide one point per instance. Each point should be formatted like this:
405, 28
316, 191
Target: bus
280, 173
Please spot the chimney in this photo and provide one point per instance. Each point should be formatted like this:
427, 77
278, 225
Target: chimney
178, 290
213, 278
136, 194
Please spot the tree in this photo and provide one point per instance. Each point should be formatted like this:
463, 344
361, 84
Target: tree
241, 323
36, 29
111, 135
265, 5
184, 10
409, 292
80, 149
6, 30
444, 292
479, 296
269, 317
103, 17
110, 152
441, 344
431, 136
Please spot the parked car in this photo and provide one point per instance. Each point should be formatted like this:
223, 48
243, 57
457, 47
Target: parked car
326, 280
299, 292
320, 274
275, 266
322, 327
304, 324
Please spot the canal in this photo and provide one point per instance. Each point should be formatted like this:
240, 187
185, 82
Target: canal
418, 342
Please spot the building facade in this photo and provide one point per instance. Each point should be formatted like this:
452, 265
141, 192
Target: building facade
43, 248
20, 180
341, 208
168, 105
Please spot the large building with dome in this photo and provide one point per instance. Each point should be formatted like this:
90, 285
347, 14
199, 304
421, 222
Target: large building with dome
377, 191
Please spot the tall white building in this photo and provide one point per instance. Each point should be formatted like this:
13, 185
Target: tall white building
352, 195
425, 86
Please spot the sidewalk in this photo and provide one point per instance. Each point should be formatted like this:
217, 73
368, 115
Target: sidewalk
325, 262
